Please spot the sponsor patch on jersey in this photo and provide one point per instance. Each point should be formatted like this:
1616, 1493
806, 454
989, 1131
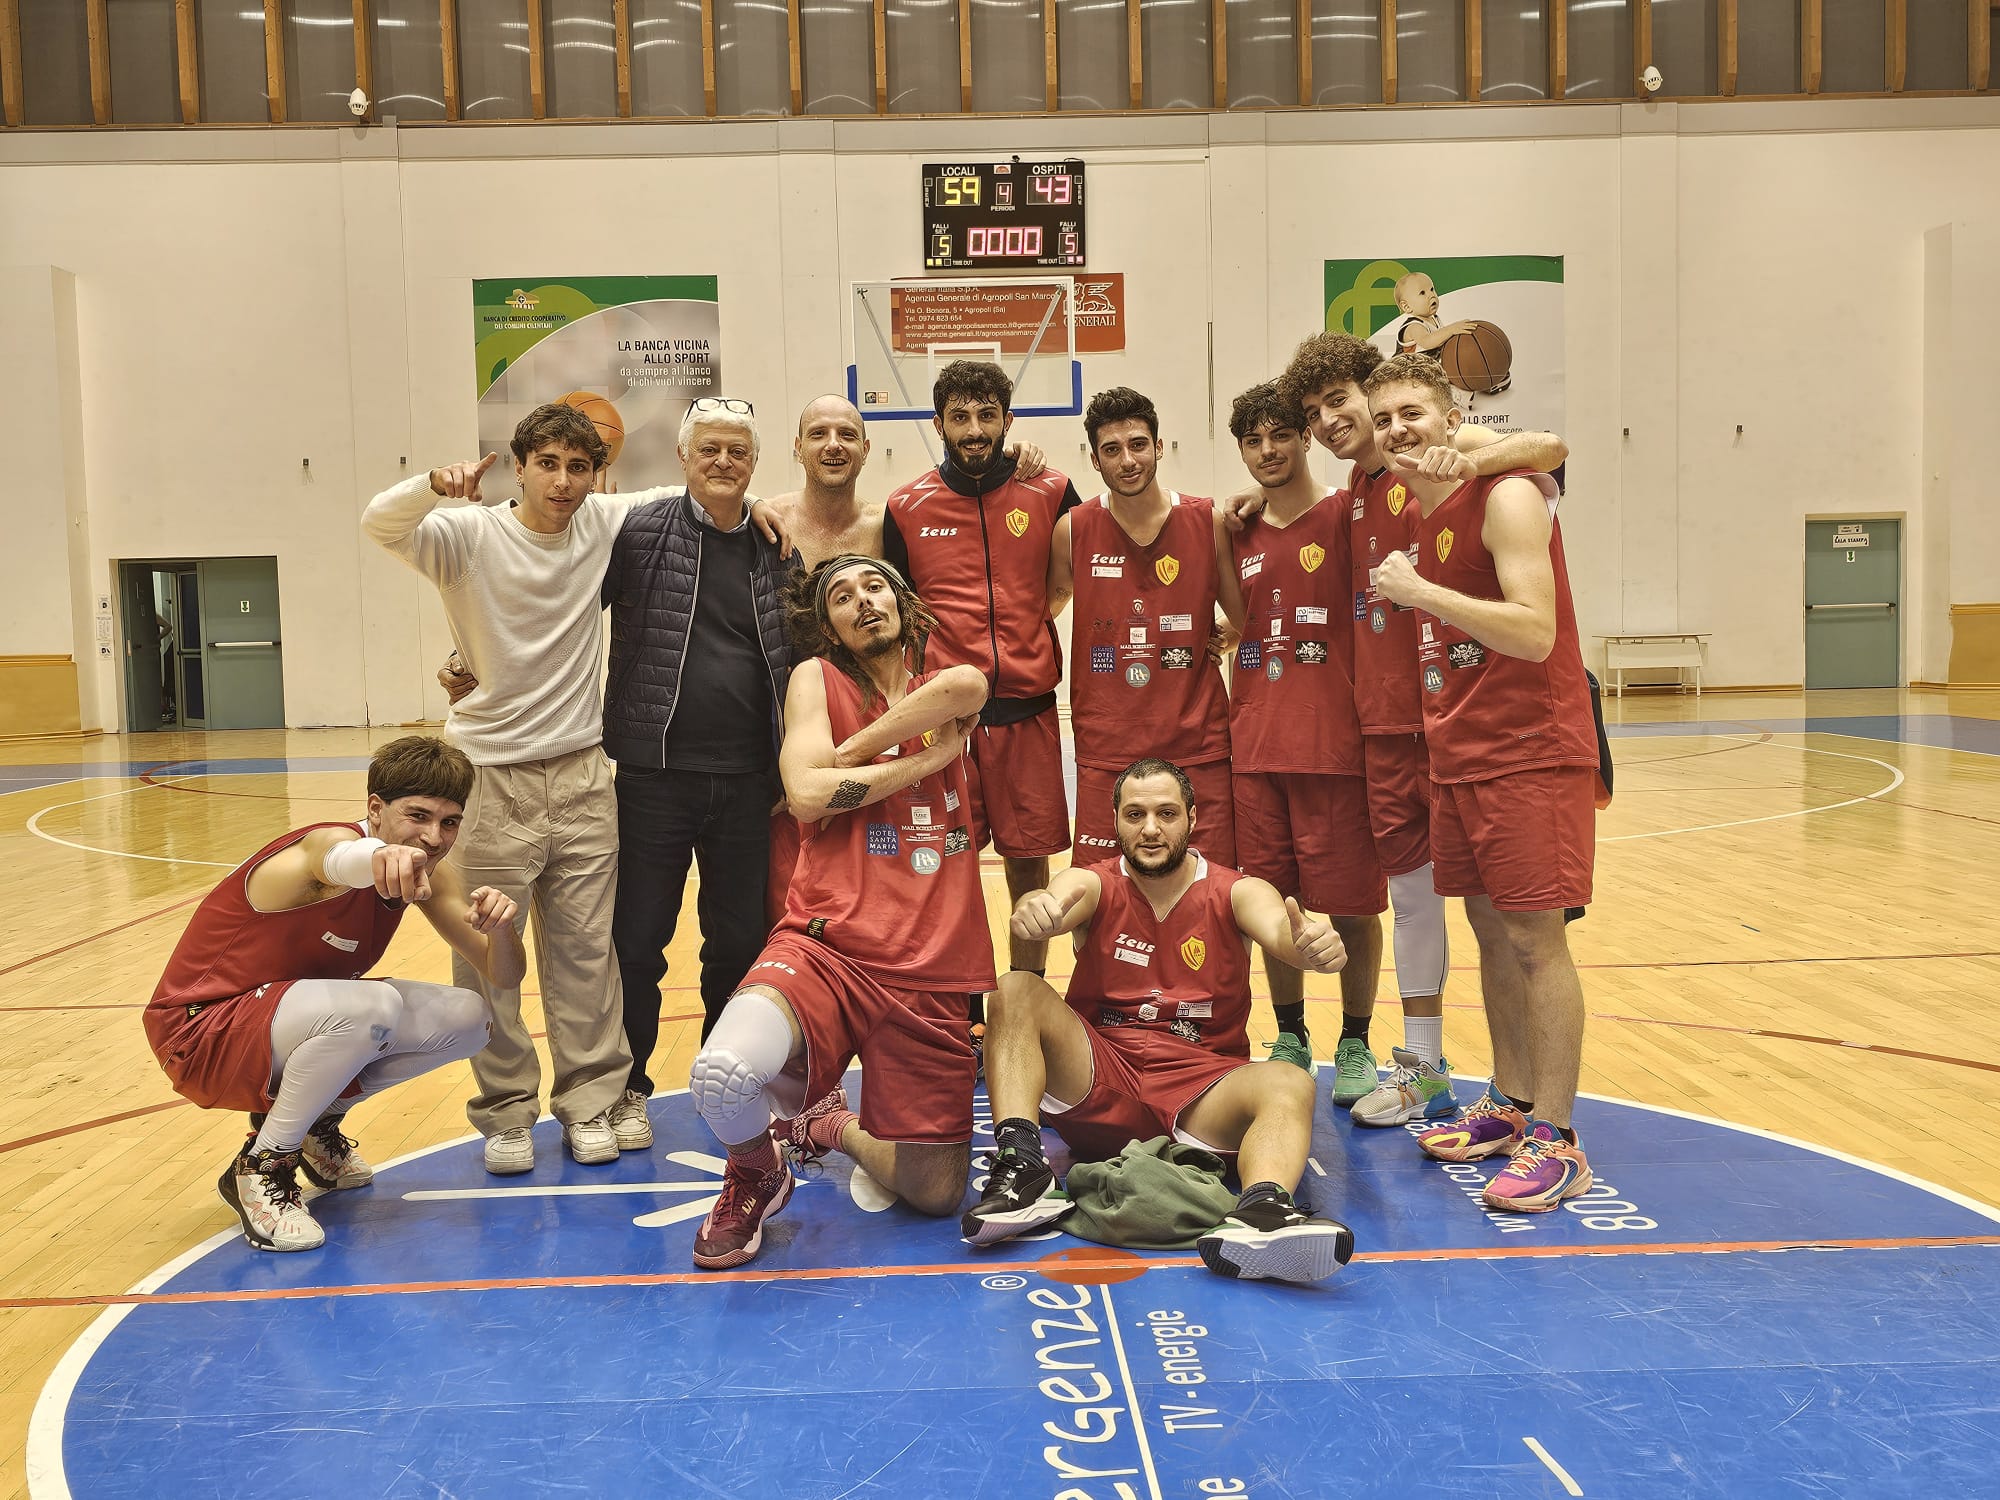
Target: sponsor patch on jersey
1103, 659
1186, 1030
1249, 656
345, 945
1196, 1010
1360, 506
957, 841
1148, 1011
1433, 678
1250, 567
1274, 668
1106, 1016
816, 928
1136, 636
1177, 658
1167, 569
1127, 956
1310, 614
1107, 559
1194, 953
920, 817
1138, 674
925, 860
1017, 521
1444, 542
1378, 619
1130, 950
1360, 603
1461, 654
937, 531
1311, 653
1105, 570
883, 839
1169, 623
1428, 640
1311, 555
950, 800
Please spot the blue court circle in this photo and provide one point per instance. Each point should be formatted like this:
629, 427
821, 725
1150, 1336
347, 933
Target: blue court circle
1770, 1331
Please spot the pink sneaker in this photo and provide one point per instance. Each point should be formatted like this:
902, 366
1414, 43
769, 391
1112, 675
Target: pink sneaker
1488, 1126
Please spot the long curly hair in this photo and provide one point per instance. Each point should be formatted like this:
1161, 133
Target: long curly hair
813, 634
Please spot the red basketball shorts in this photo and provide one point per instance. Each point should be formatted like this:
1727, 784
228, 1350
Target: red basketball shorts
1399, 800
1141, 1083
1308, 834
1527, 840
1016, 785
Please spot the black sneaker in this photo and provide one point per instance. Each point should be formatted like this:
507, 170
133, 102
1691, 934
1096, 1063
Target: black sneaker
1021, 1197
1274, 1239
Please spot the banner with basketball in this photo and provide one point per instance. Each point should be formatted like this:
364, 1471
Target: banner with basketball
630, 352
1495, 322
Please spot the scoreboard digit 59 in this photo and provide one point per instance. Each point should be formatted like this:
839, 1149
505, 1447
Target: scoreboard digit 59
1003, 216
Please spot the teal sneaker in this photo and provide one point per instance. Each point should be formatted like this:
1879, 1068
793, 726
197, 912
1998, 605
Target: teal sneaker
1414, 1090
1355, 1073
1288, 1048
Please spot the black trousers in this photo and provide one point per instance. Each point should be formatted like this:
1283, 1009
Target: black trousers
665, 819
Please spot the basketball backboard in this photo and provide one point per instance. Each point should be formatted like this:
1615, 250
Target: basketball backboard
903, 332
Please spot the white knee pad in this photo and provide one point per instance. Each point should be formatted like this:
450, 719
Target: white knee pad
1423, 950
749, 1046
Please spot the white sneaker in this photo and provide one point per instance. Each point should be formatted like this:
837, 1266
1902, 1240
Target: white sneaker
264, 1191
630, 1123
511, 1151
331, 1159
592, 1141
1414, 1090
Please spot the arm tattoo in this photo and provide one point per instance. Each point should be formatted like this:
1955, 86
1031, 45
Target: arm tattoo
847, 795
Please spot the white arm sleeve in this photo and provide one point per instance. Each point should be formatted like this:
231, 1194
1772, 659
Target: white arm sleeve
405, 520
352, 863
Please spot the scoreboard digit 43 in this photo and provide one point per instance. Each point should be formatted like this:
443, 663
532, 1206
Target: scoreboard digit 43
1003, 216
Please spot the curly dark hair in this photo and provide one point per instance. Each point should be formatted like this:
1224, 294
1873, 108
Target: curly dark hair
564, 427
1327, 359
1261, 404
972, 380
812, 636
1119, 404
1152, 765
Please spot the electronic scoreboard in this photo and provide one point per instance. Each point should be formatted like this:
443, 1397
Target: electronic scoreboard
1003, 216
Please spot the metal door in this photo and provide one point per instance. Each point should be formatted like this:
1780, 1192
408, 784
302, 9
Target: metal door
243, 653
1854, 582
139, 618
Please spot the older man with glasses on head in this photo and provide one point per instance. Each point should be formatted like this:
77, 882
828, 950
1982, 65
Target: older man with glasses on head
700, 661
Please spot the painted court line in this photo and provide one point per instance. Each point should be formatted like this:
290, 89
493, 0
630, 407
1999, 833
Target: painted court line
1554, 1468
1109, 1263
1895, 780
1131, 1393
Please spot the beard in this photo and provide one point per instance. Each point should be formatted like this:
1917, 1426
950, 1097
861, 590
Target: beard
875, 647
974, 464
1165, 863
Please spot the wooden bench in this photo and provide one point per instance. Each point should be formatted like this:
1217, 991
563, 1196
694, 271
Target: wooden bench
1683, 651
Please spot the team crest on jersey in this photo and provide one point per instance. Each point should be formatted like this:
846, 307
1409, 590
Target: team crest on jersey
1167, 569
1444, 544
1398, 498
1311, 555
1194, 953
1017, 521
930, 738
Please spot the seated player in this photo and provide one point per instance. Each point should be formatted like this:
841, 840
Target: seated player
1151, 1040
884, 933
263, 1007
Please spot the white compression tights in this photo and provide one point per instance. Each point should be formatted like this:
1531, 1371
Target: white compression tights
332, 1032
1423, 951
737, 1069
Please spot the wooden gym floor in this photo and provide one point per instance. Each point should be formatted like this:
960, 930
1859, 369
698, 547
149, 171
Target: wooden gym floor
1794, 930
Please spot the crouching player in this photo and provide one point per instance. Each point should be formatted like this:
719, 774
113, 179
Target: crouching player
884, 933
263, 1007
1152, 1040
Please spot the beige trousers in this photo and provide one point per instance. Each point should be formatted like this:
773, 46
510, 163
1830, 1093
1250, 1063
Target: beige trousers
546, 833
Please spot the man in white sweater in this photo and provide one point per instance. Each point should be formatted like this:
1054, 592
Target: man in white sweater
520, 586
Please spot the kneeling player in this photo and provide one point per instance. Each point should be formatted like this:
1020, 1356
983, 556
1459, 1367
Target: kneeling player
884, 933
263, 1006
1151, 1040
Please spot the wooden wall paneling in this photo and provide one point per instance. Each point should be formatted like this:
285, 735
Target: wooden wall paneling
1135, 54
1218, 51
1642, 43
621, 42
187, 62
1812, 44
274, 62
1305, 29
1388, 51
881, 57
98, 27
364, 52
1978, 43
454, 103
538, 61
1475, 48
1725, 35
1558, 48
1895, 44
1051, 64
795, 62
708, 58
12, 106
965, 56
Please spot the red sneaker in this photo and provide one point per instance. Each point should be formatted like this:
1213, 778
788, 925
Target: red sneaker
734, 1229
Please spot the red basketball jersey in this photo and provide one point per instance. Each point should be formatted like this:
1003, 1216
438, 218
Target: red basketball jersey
1143, 616
894, 887
1292, 701
982, 566
1382, 516
1187, 973
1485, 713
231, 949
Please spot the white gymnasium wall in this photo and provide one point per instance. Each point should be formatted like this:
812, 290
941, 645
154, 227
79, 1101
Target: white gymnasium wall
246, 300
